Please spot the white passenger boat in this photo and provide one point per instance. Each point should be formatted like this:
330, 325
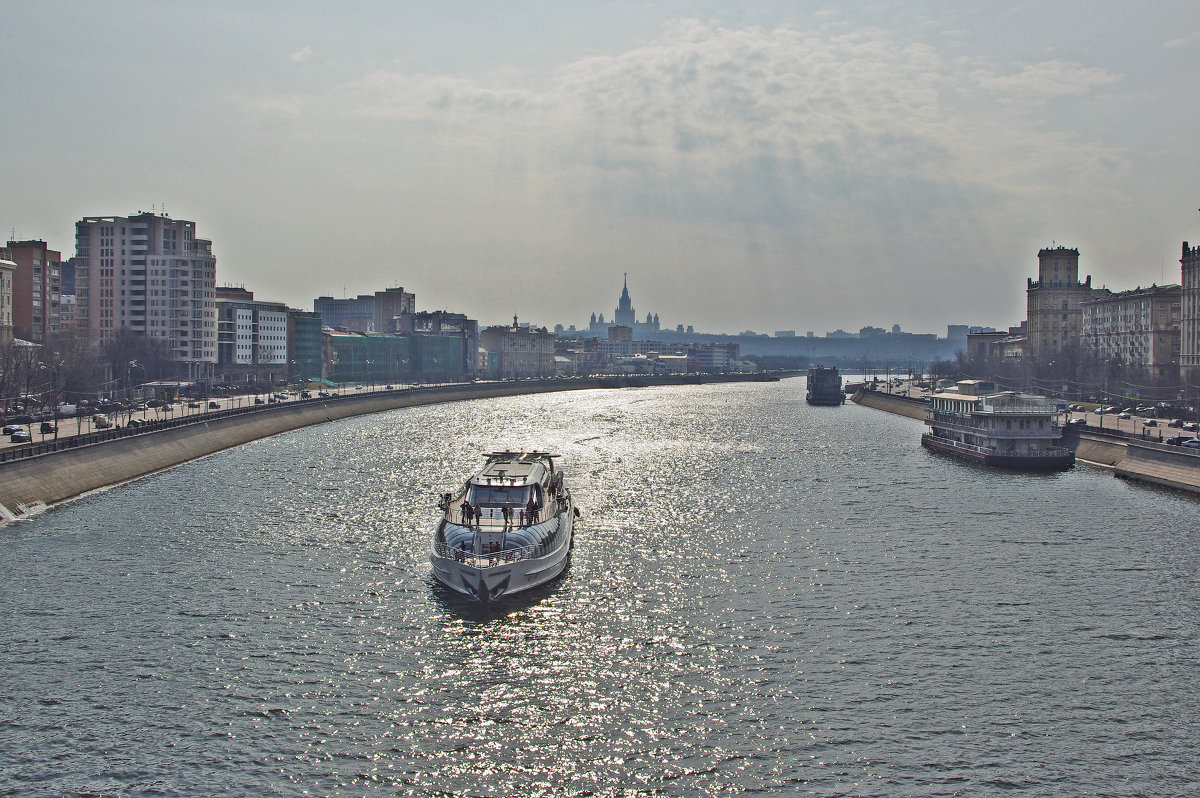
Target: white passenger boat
508, 530
1006, 429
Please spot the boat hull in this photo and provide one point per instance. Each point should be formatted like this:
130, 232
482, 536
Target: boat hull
490, 577
1047, 462
826, 400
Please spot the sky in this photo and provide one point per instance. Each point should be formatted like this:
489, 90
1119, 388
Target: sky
750, 165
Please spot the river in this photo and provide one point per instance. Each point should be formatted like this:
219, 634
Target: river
764, 597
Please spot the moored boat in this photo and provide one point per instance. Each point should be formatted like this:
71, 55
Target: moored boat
1006, 429
824, 386
508, 530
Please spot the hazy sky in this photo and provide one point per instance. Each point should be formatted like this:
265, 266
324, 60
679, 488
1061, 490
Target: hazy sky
751, 165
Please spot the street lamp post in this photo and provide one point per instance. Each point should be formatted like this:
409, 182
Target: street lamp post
53, 394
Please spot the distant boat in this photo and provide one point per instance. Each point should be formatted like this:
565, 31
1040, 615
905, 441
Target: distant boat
824, 386
1007, 429
508, 530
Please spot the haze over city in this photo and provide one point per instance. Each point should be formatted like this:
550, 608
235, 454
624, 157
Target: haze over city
758, 166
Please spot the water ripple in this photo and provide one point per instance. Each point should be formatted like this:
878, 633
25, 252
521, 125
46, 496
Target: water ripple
764, 598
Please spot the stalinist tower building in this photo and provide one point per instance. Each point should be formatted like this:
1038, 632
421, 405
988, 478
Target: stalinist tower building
1052, 303
626, 317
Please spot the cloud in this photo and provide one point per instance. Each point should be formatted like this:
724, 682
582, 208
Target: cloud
702, 98
1044, 80
1182, 41
775, 145
303, 54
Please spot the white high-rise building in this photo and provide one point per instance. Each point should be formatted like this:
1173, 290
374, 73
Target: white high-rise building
150, 274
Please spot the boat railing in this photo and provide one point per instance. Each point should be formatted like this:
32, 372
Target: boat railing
495, 559
494, 520
1054, 431
1048, 451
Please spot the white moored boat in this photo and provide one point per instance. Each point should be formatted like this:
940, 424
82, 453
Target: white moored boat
1006, 429
508, 530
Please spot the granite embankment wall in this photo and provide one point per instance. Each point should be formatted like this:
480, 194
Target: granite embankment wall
1169, 466
891, 403
57, 476
1129, 457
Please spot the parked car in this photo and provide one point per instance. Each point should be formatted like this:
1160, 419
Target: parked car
65, 410
156, 403
214, 405
258, 400
101, 421
48, 427
1124, 414
306, 394
1177, 440
20, 436
1175, 422
1078, 422
194, 405
1149, 423
1194, 443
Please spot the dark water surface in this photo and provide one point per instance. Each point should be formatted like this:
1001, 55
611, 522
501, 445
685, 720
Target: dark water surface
764, 597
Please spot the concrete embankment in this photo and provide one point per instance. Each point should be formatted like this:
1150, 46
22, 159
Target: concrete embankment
890, 403
1169, 466
55, 477
1129, 457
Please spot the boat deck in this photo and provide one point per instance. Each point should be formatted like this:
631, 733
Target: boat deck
492, 517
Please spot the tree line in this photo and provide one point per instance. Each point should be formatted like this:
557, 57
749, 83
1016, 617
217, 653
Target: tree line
67, 367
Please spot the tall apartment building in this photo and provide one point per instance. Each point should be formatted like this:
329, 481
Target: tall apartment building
8, 268
150, 274
252, 337
1052, 302
1189, 316
390, 305
1135, 328
36, 287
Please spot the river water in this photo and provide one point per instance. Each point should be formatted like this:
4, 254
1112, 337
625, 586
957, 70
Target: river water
764, 597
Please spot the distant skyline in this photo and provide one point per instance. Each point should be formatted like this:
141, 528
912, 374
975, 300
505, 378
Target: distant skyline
751, 165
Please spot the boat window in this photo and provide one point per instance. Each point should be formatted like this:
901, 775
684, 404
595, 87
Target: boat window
497, 495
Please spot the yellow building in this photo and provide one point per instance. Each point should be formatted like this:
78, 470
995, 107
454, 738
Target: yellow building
1052, 303
1135, 328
